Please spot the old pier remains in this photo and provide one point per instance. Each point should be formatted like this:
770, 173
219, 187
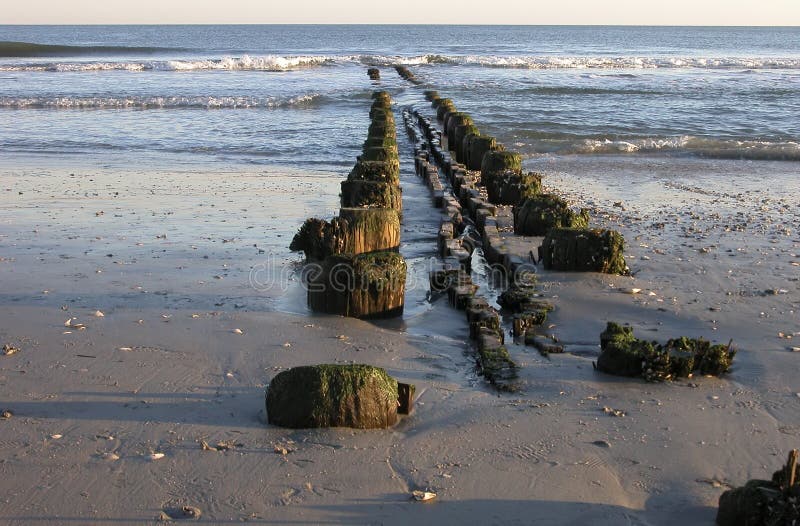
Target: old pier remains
354, 266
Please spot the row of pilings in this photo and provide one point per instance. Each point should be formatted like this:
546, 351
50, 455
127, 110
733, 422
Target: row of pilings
485, 189
353, 265
569, 243
453, 273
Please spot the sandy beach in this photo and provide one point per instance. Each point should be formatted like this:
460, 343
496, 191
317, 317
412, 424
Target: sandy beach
109, 416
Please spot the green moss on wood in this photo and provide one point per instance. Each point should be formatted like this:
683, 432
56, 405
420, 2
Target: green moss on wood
371, 194
445, 106
359, 396
584, 250
511, 187
363, 286
500, 161
624, 355
539, 213
375, 171
381, 142
475, 147
385, 155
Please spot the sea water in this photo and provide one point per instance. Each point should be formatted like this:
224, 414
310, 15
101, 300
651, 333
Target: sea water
297, 96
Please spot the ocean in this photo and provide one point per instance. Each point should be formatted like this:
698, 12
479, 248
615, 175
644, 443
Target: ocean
297, 96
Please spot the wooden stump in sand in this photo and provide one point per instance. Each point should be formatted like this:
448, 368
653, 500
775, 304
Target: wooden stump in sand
363, 286
500, 161
585, 250
764, 502
375, 171
511, 187
358, 396
539, 213
359, 194
355, 231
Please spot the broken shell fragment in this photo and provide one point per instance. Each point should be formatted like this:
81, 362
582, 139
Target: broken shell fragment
72, 325
98, 314
155, 456
422, 496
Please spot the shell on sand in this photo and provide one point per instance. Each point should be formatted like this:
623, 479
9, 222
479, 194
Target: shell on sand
423, 496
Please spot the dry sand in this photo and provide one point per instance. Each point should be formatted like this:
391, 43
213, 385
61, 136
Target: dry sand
163, 370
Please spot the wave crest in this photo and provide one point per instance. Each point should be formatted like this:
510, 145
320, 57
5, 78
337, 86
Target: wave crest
284, 63
688, 144
155, 102
243, 63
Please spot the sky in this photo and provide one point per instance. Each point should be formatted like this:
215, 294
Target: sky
624, 12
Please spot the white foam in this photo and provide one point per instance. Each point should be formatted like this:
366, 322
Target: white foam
244, 63
705, 147
154, 102
286, 63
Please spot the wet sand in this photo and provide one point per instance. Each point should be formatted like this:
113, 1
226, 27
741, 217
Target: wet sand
163, 370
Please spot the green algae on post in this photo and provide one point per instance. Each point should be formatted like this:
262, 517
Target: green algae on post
764, 502
510, 187
362, 286
358, 396
500, 161
622, 354
539, 213
584, 250
370, 194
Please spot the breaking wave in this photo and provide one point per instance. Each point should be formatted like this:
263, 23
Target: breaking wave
154, 102
590, 62
244, 63
686, 144
284, 63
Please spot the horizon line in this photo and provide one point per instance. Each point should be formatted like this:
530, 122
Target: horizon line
389, 24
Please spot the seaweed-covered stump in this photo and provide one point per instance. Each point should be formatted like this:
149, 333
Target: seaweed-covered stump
510, 187
363, 286
359, 396
375, 171
622, 354
355, 231
475, 147
538, 214
592, 250
500, 161
774, 502
356, 194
